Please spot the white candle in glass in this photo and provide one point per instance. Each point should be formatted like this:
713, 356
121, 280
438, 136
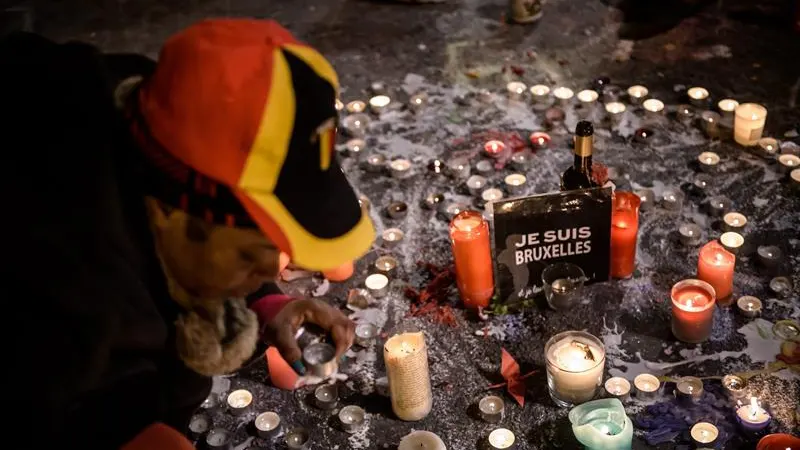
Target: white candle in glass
637, 93
748, 123
515, 90
575, 377
563, 94
421, 440
653, 106
379, 103
539, 93
406, 358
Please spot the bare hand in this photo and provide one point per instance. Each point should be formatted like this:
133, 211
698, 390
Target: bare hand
282, 329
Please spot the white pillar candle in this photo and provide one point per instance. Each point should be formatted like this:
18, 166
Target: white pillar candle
515, 90
421, 440
697, 95
575, 362
637, 93
748, 123
406, 358
378, 103
501, 439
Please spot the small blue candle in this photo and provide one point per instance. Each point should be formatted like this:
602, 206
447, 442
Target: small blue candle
602, 425
753, 417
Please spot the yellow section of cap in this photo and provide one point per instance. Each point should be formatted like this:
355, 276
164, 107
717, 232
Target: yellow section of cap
271, 144
316, 61
312, 252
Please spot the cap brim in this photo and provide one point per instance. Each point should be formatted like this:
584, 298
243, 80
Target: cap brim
307, 249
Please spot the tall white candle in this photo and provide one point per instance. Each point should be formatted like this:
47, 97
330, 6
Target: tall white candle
748, 123
406, 358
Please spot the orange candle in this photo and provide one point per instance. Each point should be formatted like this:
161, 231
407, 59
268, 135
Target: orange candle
341, 273
715, 267
624, 230
469, 234
692, 310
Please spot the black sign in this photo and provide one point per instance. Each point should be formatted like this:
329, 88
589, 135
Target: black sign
532, 232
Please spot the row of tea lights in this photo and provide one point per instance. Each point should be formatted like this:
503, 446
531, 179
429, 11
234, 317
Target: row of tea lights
268, 424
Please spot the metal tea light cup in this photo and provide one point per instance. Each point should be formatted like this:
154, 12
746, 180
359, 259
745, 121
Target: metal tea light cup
648, 386
377, 284
219, 439
326, 396
689, 390
365, 334
749, 306
239, 402
267, 424
352, 418
491, 408
199, 425
735, 386
298, 439
320, 359
562, 285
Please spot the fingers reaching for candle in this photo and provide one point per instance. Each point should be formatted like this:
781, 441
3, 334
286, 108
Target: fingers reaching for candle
283, 328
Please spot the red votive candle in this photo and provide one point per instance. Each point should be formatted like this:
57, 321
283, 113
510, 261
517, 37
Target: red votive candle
624, 230
469, 234
494, 148
715, 267
692, 310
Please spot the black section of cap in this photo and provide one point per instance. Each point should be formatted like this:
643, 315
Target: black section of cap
584, 129
321, 201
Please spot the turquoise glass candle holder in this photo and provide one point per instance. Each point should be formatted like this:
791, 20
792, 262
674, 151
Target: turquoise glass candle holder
602, 425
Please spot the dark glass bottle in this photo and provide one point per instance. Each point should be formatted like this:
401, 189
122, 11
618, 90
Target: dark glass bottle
579, 176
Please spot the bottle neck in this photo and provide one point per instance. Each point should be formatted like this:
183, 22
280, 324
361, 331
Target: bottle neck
583, 164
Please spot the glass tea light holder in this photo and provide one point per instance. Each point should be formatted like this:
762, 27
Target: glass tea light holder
692, 310
379, 103
267, 424
710, 121
391, 237
689, 390
476, 184
727, 107
709, 161
491, 408
698, 96
769, 256
767, 147
502, 439
748, 123
406, 357
648, 386
614, 112
618, 387
575, 362
219, 439
749, 306
320, 359
472, 254
715, 266
672, 199
732, 241
788, 162
494, 148
602, 425
689, 233
540, 94
753, 417
421, 440
365, 334
298, 439
647, 199
636, 94
703, 435
239, 402
624, 233
563, 95
735, 387
356, 107
377, 284
199, 425
356, 125
516, 90
734, 221
562, 283
515, 183
719, 205
352, 418
386, 265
